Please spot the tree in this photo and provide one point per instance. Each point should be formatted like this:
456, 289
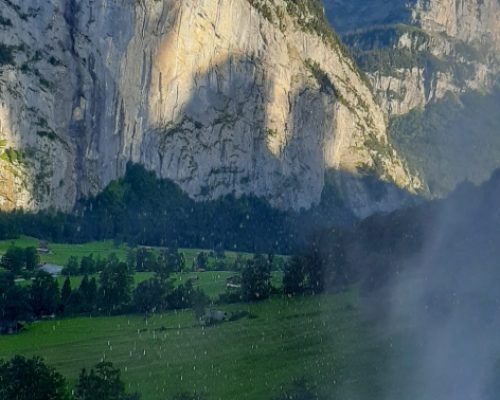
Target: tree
145, 260
115, 286
88, 294
66, 294
103, 382
14, 300
294, 276
44, 294
31, 258
219, 252
202, 260
150, 295
14, 259
239, 263
171, 260
315, 271
100, 263
71, 268
87, 265
185, 296
31, 379
131, 258
256, 279
199, 302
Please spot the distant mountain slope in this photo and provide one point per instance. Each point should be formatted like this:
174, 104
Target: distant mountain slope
414, 52
434, 67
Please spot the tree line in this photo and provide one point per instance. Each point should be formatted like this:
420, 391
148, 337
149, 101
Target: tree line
108, 287
31, 379
140, 209
111, 292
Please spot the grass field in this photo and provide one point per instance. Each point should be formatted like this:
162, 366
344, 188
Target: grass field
60, 253
323, 339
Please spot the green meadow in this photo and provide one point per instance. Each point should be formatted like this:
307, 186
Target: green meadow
323, 339
60, 252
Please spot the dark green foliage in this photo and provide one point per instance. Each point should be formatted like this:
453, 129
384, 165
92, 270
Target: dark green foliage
170, 260
31, 379
14, 259
141, 209
201, 260
219, 253
157, 294
87, 265
31, 258
71, 268
44, 295
309, 273
199, 302
376, 50
435, 142
256, 279
314, 268
263, 8
239, 263
326, 85
14, 300
87, 294
66, 293
294, 276
381, 247
151, 295
103, 382
145, 260
115, 286
186, 296
310, 16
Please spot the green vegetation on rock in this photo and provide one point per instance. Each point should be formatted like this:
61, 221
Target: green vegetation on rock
436, 141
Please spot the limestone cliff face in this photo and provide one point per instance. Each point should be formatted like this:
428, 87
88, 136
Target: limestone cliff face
221, 96
414, 52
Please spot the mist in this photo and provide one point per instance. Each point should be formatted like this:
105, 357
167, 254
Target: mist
445, 303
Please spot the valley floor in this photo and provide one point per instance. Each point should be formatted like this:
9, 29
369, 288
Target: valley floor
323, 339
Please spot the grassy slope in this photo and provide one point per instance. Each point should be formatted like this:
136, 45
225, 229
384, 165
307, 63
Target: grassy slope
321, 338
61, 252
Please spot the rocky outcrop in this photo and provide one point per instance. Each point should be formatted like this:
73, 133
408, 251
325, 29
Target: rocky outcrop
221, 96
414, 52
434, 67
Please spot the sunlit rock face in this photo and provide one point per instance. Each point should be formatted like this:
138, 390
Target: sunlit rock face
415, 52
213, 94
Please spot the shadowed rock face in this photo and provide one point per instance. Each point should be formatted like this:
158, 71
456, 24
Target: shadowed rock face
210, 94
350, 15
